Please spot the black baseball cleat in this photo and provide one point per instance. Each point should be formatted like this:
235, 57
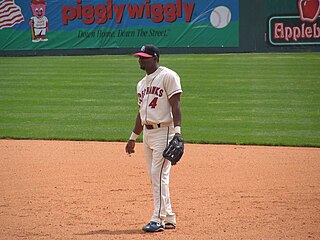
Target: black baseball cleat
153, 227
170, 226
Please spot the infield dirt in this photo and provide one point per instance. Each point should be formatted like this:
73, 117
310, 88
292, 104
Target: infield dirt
93, 190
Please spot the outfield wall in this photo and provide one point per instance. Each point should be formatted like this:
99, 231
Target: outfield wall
87, 27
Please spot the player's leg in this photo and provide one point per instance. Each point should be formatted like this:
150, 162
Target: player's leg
148, 158
170, 219
153, 225
160, 173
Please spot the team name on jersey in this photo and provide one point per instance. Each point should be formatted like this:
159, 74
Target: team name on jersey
150, 90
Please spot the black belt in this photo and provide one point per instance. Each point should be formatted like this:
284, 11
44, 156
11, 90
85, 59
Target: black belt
153, 126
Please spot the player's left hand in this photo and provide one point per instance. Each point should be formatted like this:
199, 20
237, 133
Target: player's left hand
174, 151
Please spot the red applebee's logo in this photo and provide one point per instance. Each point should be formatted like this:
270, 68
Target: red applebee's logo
309, 10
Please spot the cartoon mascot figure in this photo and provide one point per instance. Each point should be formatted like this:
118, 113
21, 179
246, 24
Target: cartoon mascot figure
39, 22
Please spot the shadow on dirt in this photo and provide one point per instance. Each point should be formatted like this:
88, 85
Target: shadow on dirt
112, 232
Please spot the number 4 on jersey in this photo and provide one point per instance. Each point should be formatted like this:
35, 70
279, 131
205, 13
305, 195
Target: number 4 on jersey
153, 103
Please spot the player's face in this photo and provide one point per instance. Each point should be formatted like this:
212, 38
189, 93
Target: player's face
147, 63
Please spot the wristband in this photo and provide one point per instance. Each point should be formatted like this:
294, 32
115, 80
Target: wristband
177, 129
133, 136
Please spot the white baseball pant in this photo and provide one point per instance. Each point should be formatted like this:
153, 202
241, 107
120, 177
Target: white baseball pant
155, 141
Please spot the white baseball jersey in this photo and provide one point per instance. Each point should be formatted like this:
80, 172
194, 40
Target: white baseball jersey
154, 92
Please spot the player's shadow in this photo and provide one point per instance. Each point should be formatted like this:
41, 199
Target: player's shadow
112, 232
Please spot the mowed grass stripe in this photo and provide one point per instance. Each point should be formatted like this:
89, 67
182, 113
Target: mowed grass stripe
63, 98
269, 99
265, 98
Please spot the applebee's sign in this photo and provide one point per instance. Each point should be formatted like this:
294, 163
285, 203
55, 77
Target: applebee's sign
297, 30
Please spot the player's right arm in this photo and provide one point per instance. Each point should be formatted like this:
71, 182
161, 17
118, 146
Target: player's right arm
138, 126
135, 133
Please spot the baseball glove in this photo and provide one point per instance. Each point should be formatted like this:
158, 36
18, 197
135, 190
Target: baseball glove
174, 151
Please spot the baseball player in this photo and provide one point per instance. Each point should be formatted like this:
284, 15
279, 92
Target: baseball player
159, 117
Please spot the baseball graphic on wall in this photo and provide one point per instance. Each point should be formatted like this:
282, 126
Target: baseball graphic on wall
220, 17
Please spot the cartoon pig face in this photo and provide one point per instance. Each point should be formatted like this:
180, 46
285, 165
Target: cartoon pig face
38, 9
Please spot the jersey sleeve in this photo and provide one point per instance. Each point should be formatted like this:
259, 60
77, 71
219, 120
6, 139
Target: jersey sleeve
139, 96
172, 84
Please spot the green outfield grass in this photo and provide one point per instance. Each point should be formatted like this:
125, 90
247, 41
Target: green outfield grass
264, 99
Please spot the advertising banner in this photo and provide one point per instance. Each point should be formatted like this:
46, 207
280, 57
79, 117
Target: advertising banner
77, 24
296, 28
